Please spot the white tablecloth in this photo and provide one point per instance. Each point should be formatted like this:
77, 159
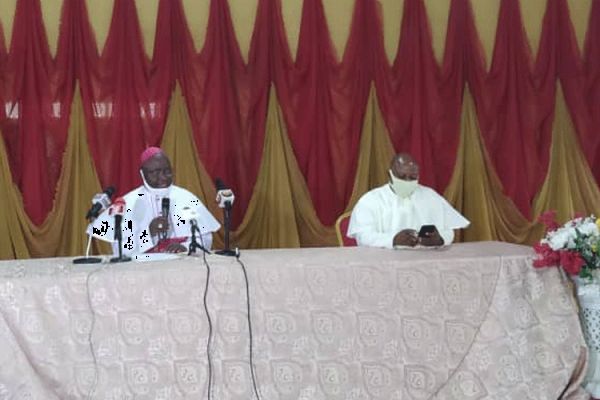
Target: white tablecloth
473, 321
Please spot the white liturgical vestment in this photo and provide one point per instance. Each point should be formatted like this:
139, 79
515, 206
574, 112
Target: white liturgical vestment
380, 214
141, 207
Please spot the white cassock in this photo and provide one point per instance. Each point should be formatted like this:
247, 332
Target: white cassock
141, 207
380, 214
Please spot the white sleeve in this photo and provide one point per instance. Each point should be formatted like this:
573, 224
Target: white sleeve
375, 239
447, 235
363, 227
115, 248
206, 221
207, 240
452, 220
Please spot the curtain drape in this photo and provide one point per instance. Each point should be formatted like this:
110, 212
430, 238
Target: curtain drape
299, 135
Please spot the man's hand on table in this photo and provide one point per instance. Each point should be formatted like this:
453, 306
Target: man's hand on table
406, 237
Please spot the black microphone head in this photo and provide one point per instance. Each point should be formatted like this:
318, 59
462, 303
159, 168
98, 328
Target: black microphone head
100, 202
220, 185
165, 203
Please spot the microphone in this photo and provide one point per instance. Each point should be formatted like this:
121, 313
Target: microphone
118, 209
225, 196
191, 215
165, 204
100, 202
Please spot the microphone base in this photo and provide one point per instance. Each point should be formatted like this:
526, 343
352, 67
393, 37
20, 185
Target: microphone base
227, 252
120, 259
87, 260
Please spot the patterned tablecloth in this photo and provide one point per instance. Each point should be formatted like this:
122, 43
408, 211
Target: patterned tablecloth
473, 321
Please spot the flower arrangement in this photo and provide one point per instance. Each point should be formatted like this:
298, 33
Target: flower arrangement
573, 246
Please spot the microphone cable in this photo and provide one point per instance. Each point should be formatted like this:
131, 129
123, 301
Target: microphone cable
210, 327
250, 336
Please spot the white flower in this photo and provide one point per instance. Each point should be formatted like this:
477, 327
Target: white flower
588, 228
564, 237
561, 238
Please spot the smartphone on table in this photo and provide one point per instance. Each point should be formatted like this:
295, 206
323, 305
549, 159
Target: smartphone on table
427, 230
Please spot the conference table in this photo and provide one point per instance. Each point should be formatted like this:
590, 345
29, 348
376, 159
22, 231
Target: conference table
467, 321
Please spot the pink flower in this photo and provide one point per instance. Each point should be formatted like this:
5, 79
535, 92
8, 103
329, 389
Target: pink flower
548, 218
546, 256
578, 215
571, 261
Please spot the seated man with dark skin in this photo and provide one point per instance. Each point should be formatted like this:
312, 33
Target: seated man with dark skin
145, 227
393, 214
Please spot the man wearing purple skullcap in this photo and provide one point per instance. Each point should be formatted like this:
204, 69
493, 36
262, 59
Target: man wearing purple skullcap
153, 219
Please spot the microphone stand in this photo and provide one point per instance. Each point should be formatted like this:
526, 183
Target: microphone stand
194, 245
227, 227
119, 239
87, 259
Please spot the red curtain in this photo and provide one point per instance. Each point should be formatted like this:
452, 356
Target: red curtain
514, 107
126, 94
37, 93
228, 113
581, 82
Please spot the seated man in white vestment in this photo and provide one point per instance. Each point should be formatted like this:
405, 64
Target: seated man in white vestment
145, 227
392, 214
